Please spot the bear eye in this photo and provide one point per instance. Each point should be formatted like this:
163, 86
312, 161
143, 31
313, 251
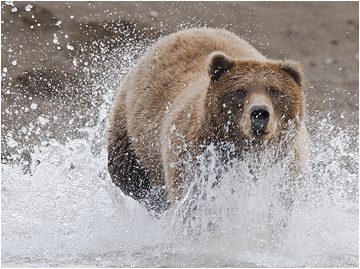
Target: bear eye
241, 93
273, 92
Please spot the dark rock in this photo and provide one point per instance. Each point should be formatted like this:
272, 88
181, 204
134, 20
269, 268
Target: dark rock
334, 41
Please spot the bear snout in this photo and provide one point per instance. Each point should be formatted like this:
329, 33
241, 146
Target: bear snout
259, 118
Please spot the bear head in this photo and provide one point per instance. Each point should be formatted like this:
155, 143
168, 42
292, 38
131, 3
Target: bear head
252, 100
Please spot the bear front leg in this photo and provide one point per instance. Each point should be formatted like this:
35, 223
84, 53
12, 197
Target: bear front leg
125, 169
128, 174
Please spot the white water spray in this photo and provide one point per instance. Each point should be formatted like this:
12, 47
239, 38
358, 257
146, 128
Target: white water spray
66, 212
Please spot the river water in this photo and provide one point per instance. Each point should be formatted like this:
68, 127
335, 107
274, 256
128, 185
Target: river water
64, 211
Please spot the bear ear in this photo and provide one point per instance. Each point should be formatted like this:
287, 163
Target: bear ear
219, 63
294, 69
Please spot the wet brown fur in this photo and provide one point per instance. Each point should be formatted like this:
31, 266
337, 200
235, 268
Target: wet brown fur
182, 95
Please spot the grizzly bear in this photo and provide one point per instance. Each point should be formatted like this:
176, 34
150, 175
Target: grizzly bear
195, 88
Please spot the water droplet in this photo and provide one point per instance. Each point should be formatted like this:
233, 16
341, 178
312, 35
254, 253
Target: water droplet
172, 128
11, 142
56, 39
68, 46
14, 9
14, 62
28, 7
153, 14
43, 120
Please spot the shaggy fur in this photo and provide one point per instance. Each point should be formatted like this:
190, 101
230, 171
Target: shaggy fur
191, 89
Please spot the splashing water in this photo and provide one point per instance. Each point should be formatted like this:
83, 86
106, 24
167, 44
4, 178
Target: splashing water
66, 211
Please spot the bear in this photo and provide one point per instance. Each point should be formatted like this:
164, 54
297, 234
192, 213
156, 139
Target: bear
193, 88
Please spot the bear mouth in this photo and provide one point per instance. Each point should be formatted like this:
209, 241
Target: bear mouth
260, 133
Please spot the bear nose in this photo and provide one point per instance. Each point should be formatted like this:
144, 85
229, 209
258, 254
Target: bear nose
259, 117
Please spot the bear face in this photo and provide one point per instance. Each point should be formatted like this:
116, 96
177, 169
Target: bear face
257, 101
245, 104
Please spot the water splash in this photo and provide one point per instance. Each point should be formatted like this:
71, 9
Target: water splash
66, 212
